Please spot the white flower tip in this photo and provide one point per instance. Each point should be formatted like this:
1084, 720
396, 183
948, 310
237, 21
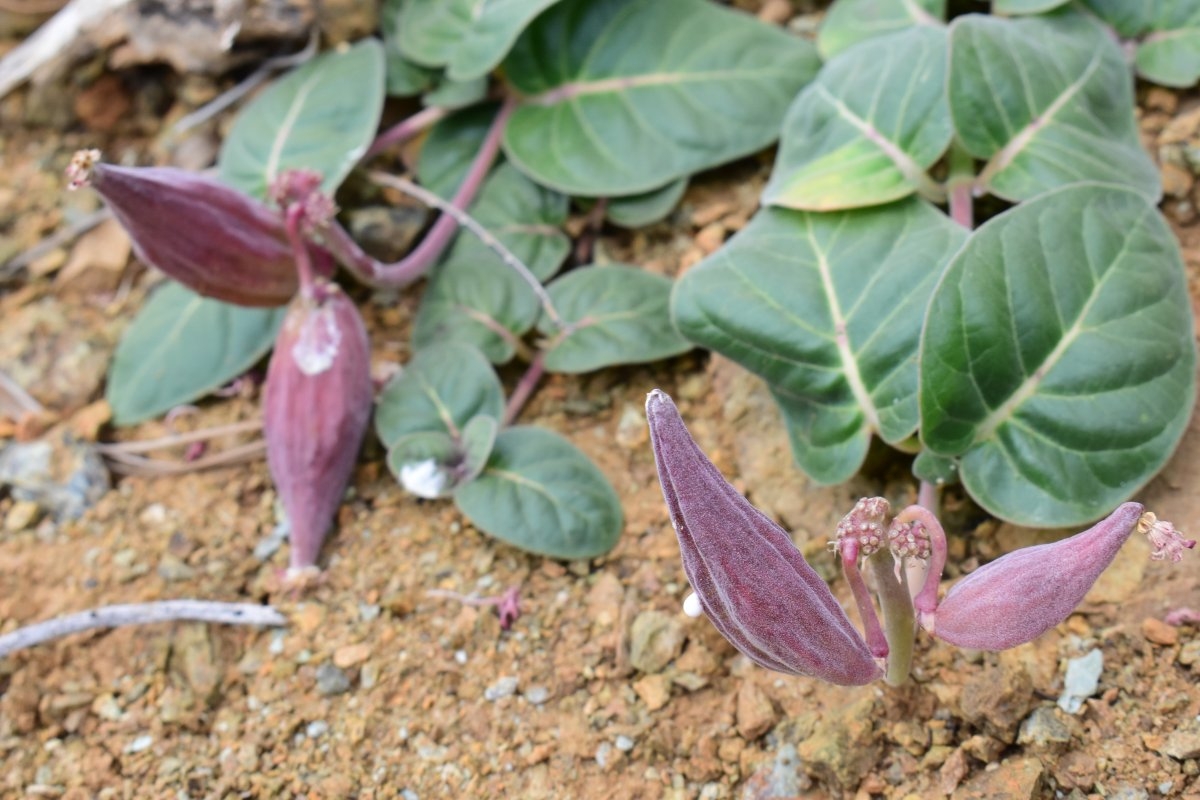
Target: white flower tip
691, 605
423, 478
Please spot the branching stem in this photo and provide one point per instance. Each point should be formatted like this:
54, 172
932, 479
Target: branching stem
406, 129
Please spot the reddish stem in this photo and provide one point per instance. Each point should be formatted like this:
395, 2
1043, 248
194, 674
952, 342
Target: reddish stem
403, 272
876, 640
294, 217
406, 129
525, 387
962, 204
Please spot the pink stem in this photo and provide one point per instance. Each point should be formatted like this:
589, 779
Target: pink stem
405, 129
525, 387
294, 216
962, 204
407, 270
926, 600
927, 496
876, 640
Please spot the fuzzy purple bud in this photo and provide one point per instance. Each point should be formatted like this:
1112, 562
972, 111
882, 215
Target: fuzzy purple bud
750, 579
211, 238
1020, 596
316, 406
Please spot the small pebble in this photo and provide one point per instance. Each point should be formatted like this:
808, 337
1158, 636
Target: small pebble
537, 695
331, 680
603, 754
140, 743
460, 656
624, 744
409, 794
1159, 632
501, 688
316, 728
1083, 678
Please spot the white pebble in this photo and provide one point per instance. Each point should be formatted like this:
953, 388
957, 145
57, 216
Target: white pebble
501, 688
691, 605
624, 744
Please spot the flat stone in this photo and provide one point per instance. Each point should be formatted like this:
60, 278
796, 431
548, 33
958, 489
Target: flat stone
998, 697
331, 680
351, 655
1184, 742
1043, 728
755, 712
1014, 779
655, 639
842, 748
654, 690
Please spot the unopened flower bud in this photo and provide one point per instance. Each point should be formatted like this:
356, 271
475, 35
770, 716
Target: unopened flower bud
864, 526
208, 236
316, 405
1020, 596
751, 581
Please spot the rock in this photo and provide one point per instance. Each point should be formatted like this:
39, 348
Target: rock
351, 655
983, 748
842, 749
537, 694
59, 474
998, 697
624, 743
632, 430
387, 232
755, 713
1184, 742
1159, 632
1125, 791
1189, 654
654, 690
23, 515
1082, 681
1177, 181
331, 680
1015, 779
504, 687
1043, 728
953, 770
655, 639
1161, 99
172, 568
777, 779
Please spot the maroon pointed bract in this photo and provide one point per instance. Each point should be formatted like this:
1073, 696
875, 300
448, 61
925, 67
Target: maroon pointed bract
751, 581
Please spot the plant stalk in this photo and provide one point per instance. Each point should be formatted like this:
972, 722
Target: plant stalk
304, 268
960, 186
899, 621
401, 273
524, 388
876, 640
406, 129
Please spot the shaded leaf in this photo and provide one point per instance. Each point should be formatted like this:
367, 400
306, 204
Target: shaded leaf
1133, 19
639, 210
322, 116
1012, 8
443, 387
849, 22
617, 314
542, 494
1171, 58
450, 147
778, 296
1057, 359
456, 94
935, 469
866, 130
467, 37
404, 77
179, 347
473, 295
1045, 101
624, 96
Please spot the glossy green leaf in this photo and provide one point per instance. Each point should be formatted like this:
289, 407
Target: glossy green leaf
616, 314
849, 22
450, 147
1171, 58
467, 37
541, 494
443, 387
827, 308
935, 469
640, 210
456, 94
321, 116
867, 129
624, 96
180, 347
1012, 8
1058, 358
472, 294
1045, 101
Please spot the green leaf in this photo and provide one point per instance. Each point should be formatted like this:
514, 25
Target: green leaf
440, 389
1046, 101
180, 347
1133, 19
1171, 58
616, 314
467, 37
322, 116
450, 147
935, 469
849, 22
404, 78
541, 494
472, 294
1058, 359
433, 464
456, 94
867, 129
640, 210
624, 96
1012, 8
778, 297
